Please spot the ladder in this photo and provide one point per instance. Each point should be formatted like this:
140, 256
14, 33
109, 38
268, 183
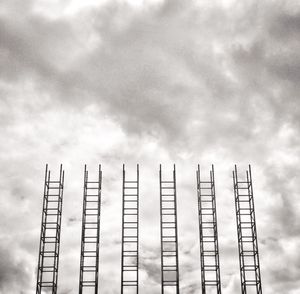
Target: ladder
168, 230
209, 247
247, 234
90, 234
47, 272
130, 234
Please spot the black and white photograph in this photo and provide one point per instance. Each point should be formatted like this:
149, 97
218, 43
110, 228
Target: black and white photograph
149, 146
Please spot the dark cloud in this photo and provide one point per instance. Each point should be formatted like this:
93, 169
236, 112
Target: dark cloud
15, 274
171, 79
150, 266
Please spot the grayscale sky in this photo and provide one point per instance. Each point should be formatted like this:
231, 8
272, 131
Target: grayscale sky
149, 82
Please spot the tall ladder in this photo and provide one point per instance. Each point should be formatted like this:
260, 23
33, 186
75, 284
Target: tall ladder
90, 234
209, 247
47, 273
247, 234
130, 234
168, 230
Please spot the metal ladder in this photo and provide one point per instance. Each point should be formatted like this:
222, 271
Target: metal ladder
209, 246
247, 234
48, 261
130, 234
90, 234
169, 238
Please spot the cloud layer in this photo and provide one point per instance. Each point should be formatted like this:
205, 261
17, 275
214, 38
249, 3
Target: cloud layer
158, 82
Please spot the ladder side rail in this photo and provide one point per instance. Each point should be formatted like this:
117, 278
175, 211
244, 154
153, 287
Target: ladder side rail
241, 236
238, 221
45, 210
200, 229
44, 231
56, 244
176, 229
122, 249
213, 210
161, 231
214, 206
98, 228
254, 232
58, 227
41, 245
138, 214
83, 230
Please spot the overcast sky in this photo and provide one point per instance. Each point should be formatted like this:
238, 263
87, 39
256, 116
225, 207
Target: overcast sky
149, 82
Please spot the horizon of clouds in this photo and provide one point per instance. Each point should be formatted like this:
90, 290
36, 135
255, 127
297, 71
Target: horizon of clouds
160, 82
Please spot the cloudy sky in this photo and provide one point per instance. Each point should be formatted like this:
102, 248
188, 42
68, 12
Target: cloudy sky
149, 82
